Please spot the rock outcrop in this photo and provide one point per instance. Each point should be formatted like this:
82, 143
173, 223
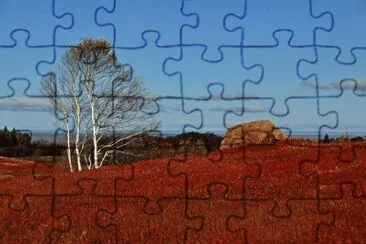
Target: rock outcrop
255, 132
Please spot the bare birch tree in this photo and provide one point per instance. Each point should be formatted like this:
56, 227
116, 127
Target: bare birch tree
61, 109
101, 94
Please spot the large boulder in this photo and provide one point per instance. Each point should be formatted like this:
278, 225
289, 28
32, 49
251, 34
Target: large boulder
255, 132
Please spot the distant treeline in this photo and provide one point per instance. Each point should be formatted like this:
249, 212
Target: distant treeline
327, 139
150, 146
13, 138
16, 143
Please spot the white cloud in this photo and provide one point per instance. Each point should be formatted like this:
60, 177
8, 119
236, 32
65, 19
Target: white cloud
24, 104
346, 84
247, 109
236, 96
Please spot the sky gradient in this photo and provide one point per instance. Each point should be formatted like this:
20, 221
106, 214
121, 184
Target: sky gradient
301, 65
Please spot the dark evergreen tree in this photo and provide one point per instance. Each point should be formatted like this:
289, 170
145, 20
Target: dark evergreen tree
326, 139
14, 137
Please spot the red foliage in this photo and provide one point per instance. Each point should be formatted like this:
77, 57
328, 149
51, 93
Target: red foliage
291, 191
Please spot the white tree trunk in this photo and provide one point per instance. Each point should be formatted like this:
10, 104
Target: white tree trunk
77, 151
77, 113
95, 141
68, 150
77, 136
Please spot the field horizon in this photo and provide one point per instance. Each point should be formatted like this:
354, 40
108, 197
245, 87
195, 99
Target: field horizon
48, 135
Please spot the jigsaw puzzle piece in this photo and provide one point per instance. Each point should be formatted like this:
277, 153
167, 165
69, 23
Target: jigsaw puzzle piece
16, 107
21, 55
163, 109
332, 171
51, 69
280, 79
133, 224
196, 74
345, 32
130, 19
158, 175
53, 72
67, 183
148, 61
260, 19
224, 168
18, 172
210, 31
330, 73
83, 15
37, 221
349, 121
214, 107
300, 109
48, 66
215, 211
349, 224
82, 209
270, 186
40, 22
261, 226
264, 16
173, 211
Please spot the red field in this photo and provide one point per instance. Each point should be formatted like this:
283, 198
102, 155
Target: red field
281, 193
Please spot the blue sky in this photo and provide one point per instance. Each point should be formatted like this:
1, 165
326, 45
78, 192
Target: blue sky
287, 59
